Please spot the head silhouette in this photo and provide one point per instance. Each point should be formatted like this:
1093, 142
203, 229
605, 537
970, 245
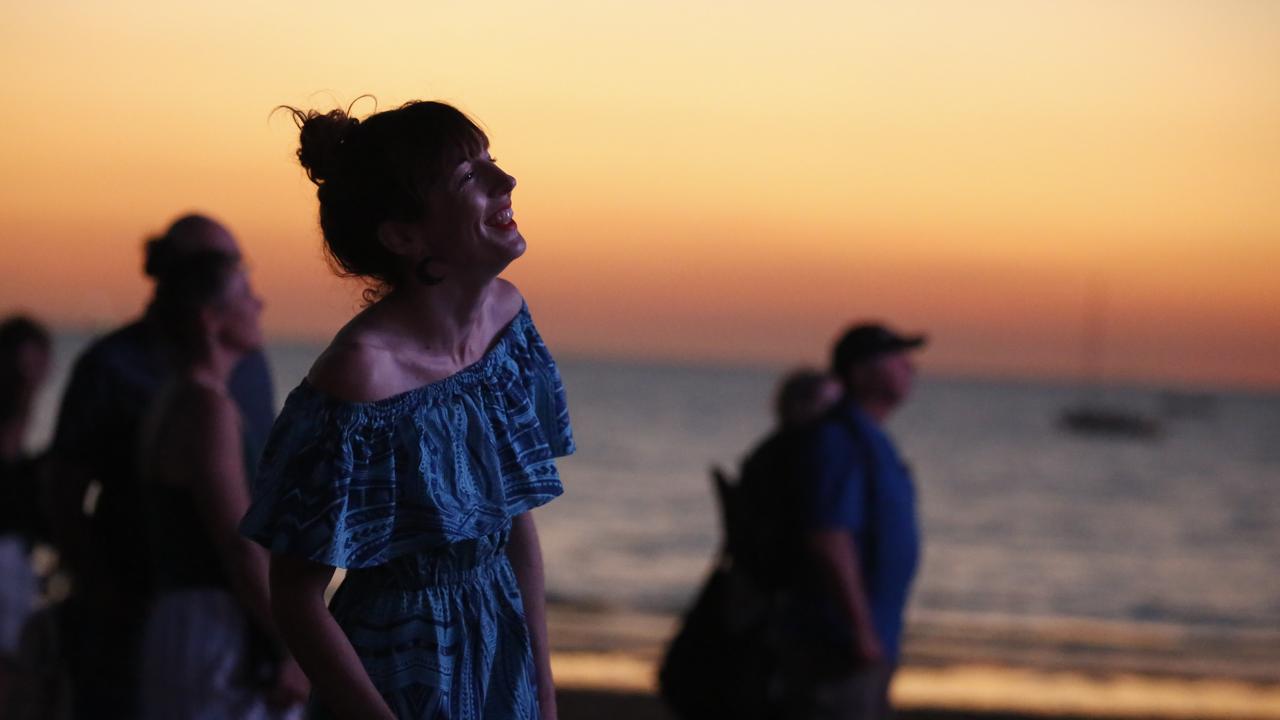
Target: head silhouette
804, 395
187, 235
203, 298
24, 363
380, 170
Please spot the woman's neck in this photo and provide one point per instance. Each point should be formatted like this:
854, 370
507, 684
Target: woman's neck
448, 319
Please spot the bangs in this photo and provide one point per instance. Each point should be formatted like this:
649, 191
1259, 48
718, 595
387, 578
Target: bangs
464, 135
447, 136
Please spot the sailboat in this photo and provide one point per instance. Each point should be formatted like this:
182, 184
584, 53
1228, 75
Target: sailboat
1088, 419
1092, 417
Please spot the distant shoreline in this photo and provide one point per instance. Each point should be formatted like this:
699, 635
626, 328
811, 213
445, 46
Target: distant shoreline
80, 335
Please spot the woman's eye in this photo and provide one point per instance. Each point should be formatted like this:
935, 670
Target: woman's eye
470, 174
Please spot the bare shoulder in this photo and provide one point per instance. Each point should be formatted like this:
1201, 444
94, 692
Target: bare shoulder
202, 416
354, 368
370, 359
200, 402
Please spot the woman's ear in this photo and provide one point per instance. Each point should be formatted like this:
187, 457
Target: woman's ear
400, 239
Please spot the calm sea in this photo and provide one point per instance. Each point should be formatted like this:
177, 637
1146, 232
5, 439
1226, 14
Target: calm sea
1020, 519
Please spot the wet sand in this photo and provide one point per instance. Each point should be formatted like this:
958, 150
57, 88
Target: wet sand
593, 705
967, 668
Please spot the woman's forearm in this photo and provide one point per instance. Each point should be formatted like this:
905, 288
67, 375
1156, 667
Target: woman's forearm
525, 554
246, 565
321, 648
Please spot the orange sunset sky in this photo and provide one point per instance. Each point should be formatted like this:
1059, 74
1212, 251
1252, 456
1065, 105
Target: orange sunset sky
703, 180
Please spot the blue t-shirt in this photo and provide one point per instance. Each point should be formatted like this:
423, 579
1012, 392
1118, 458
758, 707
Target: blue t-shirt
857, 482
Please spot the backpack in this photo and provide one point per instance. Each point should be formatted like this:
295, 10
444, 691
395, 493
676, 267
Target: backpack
720, 664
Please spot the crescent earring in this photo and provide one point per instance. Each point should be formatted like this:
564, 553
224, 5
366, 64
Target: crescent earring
422, 271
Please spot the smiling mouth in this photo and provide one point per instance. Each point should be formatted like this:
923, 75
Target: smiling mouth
504, 218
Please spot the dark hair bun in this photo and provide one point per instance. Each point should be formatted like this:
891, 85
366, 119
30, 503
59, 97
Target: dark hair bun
322, 137
375, 170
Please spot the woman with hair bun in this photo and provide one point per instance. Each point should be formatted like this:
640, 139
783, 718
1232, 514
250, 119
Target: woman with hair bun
94, 453
210, 618
421, 439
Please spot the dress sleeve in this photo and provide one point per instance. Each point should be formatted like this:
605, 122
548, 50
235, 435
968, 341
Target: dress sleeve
551, 405
356, 485
303, 490
530, 422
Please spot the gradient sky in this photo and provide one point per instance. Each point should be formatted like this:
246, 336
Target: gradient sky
703, 180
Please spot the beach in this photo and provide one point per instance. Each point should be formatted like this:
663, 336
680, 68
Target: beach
1061, 578
605, 663
1057, 219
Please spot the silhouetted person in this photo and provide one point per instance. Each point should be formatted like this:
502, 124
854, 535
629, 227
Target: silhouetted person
211, 601
94, 462
860, 521
723, 662
765, 536
24, 366
422, 439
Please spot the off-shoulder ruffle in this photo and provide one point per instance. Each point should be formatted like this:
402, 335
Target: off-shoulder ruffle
356, 484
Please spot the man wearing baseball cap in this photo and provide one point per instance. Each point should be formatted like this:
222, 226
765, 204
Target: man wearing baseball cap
860, 523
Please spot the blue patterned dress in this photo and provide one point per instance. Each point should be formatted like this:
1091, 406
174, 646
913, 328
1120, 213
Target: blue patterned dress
414, 495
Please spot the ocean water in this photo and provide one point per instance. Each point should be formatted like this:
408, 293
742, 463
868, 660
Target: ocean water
1020, 519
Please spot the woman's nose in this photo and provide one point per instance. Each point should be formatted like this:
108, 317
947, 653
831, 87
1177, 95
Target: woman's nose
503, 182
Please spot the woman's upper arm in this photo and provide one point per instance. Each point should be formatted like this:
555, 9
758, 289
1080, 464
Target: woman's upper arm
216, 453
295, 576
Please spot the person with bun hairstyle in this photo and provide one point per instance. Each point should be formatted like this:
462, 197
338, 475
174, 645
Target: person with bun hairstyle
207, 647
414, 450
98, 522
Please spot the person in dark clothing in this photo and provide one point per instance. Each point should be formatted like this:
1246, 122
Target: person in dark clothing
764, 534
859, 521
723, 661
207, 649
98, 516
24, 366
25, 349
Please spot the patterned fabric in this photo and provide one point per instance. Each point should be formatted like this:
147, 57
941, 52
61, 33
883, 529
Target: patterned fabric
443, 635
415, 495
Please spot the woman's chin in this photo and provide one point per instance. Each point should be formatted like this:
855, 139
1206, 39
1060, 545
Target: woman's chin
512, 248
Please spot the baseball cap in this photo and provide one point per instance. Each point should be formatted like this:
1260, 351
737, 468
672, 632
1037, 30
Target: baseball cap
867, 340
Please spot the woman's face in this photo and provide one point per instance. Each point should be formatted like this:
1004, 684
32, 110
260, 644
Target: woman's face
238, 312
470, 224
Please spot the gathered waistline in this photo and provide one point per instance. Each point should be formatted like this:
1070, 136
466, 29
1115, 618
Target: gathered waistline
405, 573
